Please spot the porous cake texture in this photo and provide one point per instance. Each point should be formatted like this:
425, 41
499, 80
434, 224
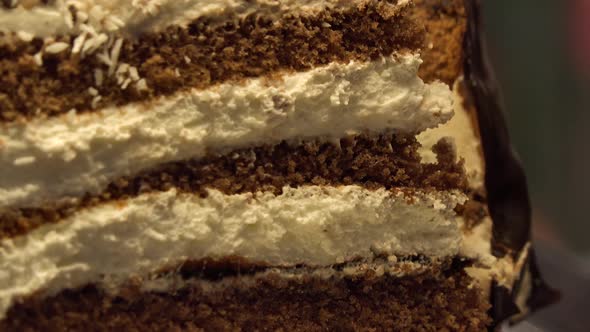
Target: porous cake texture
226, 165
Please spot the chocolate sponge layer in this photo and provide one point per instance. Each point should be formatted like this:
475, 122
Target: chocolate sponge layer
436, 300
209, 51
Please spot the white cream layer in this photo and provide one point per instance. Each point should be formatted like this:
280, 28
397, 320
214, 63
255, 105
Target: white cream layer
314, 225
45, 159
136, 16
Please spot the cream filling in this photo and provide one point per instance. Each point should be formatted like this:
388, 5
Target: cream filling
312, 225
477, 245
49, 158
468, 144
133, 17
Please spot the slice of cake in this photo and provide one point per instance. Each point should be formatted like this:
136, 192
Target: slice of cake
256, 165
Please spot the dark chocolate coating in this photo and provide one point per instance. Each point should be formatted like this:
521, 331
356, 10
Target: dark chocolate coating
506, 184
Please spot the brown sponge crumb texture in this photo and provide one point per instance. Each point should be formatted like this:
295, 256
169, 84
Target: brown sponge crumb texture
230, 52
433, 301
389, 161
236, 49
445, 22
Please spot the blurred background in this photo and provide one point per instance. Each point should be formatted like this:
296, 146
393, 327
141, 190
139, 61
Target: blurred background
541, 52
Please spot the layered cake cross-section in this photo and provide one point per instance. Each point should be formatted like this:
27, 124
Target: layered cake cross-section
256, 165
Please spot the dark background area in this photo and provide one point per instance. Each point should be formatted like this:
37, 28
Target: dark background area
541, 51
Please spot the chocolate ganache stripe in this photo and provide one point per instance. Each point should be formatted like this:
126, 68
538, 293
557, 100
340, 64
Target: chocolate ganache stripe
437, 299
235, 266
506, 185
201, 55
374, 162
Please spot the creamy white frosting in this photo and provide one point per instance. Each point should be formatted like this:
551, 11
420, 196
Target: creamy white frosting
477, 245
136, 16
467, 142
48, 158
314, 225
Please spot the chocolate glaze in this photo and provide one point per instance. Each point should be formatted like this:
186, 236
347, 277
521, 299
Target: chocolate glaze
506, 185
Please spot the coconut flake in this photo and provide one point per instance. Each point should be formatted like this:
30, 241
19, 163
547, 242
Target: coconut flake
104, 58
133, 73
69, 19
101, 39
25, 36
95, 101
117, 21
81, 16
113, 23
115, 52
141, 85
97, 13
92, 91
38, 57
98, 77
57, 47
71, 115
88, 29
122, 68
24, 161
126, 84
78, 43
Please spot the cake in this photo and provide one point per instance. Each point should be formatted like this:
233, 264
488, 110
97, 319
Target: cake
225, 165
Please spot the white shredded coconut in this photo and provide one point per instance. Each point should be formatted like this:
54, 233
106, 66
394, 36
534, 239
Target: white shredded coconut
92, 91
98, 76
25, 36
95, 101
24, 161
78, 43
141, 85
125, 84
97, 13
71, 115
133, 73
104, 58
81, 16
113, 23
115, 52
122, 68
69, 19
94, 42
146, 6
38, 57
117, 21
88, 29
57, 47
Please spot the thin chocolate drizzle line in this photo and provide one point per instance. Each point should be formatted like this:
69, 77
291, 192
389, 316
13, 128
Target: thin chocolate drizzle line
506, 184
